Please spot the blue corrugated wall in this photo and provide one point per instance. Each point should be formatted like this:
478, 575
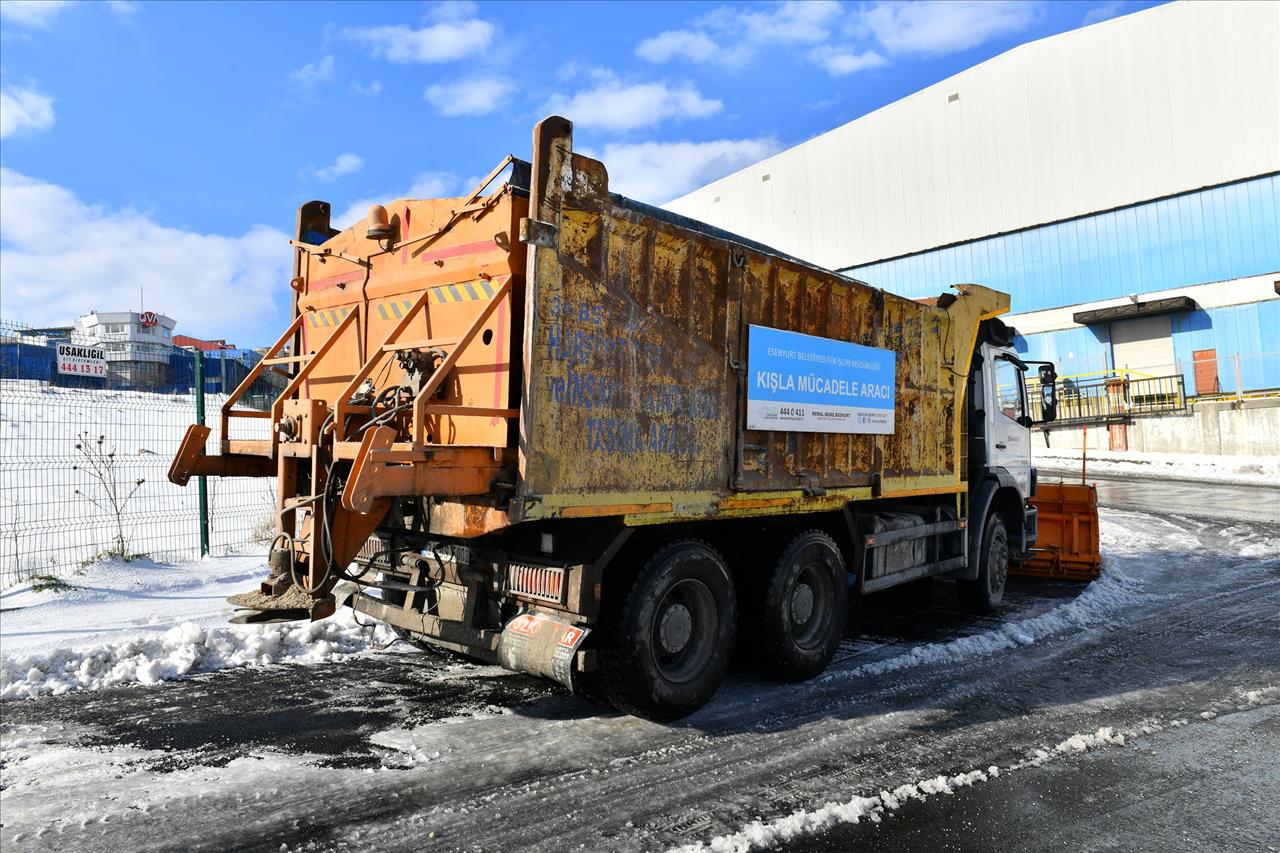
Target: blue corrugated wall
1074, 351
1250, 331
1216, 234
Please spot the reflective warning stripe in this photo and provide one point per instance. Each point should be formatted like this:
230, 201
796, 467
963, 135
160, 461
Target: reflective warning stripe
330, 317
444, 294
467, 291
396, 309
388, 309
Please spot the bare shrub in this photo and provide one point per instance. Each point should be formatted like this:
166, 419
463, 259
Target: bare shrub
99, 461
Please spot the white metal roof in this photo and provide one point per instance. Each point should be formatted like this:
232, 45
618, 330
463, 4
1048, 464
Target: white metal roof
1169, 99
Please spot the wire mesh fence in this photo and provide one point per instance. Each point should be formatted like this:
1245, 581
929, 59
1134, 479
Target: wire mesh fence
84, 459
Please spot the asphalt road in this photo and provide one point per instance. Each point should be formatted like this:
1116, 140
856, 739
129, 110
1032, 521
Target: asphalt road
402, 750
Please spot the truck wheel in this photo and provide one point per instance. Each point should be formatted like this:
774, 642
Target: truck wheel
673, 638
984, 593
804, 607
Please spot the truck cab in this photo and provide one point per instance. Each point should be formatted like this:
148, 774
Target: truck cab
1003, 518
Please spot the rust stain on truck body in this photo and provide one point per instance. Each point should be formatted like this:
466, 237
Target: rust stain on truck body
636, 362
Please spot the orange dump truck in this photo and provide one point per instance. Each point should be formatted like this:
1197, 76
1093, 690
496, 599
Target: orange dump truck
549, 427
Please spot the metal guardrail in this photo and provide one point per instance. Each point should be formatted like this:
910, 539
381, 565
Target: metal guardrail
1113, 398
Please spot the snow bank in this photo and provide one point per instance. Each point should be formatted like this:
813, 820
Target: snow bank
185, 649
760, 834
1252, 542
143, 623
1078, 743
111, 599
1110, 593
1241, 470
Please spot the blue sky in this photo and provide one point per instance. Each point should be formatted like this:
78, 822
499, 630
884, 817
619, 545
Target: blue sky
167, 145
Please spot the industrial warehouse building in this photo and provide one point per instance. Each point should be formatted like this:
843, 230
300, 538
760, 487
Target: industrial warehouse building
1122, 181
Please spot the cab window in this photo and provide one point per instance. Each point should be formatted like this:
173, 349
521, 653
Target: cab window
1010, 389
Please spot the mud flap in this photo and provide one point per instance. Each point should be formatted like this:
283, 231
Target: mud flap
540, 644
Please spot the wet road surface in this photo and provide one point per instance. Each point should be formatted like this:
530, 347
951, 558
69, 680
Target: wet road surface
1185, 499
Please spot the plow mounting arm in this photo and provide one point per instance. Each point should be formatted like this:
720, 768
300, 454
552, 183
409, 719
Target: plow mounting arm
191, 459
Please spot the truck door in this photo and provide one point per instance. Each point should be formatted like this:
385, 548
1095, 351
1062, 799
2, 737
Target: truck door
1008, 426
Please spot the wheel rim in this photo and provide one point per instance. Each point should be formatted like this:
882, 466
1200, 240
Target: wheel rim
684, 630
809, 605
997, 563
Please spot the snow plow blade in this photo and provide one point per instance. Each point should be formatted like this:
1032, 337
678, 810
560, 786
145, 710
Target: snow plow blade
1067, 541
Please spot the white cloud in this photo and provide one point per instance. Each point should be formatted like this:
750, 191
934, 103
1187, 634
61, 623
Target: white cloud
944, 26
692, 45
211, 283
790, 22
612, 105
37, 14
657, 172
346, 164
124, 8
314, 73
453, 10
732, 37
842, 61
366, 89
452, 37
23, 111
425, 185
472, 97
1103, 13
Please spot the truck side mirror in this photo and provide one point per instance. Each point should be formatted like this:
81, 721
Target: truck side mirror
1048, 393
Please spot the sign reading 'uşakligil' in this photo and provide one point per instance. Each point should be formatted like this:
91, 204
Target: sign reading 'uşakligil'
81, 360
803, 383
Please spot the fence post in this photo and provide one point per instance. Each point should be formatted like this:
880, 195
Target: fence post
1239, 380
203, 482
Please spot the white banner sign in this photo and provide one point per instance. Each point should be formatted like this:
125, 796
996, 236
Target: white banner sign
81, 360
803, 383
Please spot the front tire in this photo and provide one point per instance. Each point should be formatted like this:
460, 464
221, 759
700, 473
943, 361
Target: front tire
804, 607
984, 593
671, 644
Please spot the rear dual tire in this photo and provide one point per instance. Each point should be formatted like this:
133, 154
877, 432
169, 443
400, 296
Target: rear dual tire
670, 647
805, 605
669, 644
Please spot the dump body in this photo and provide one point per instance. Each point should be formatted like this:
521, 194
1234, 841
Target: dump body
621, 347
637, 365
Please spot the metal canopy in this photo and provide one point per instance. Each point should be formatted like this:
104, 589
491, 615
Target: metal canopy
1129, 310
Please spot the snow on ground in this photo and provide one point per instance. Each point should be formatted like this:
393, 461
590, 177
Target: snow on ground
761, 834
143, 623
1109, 594
1129, 541
1252, 543
1196, 467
